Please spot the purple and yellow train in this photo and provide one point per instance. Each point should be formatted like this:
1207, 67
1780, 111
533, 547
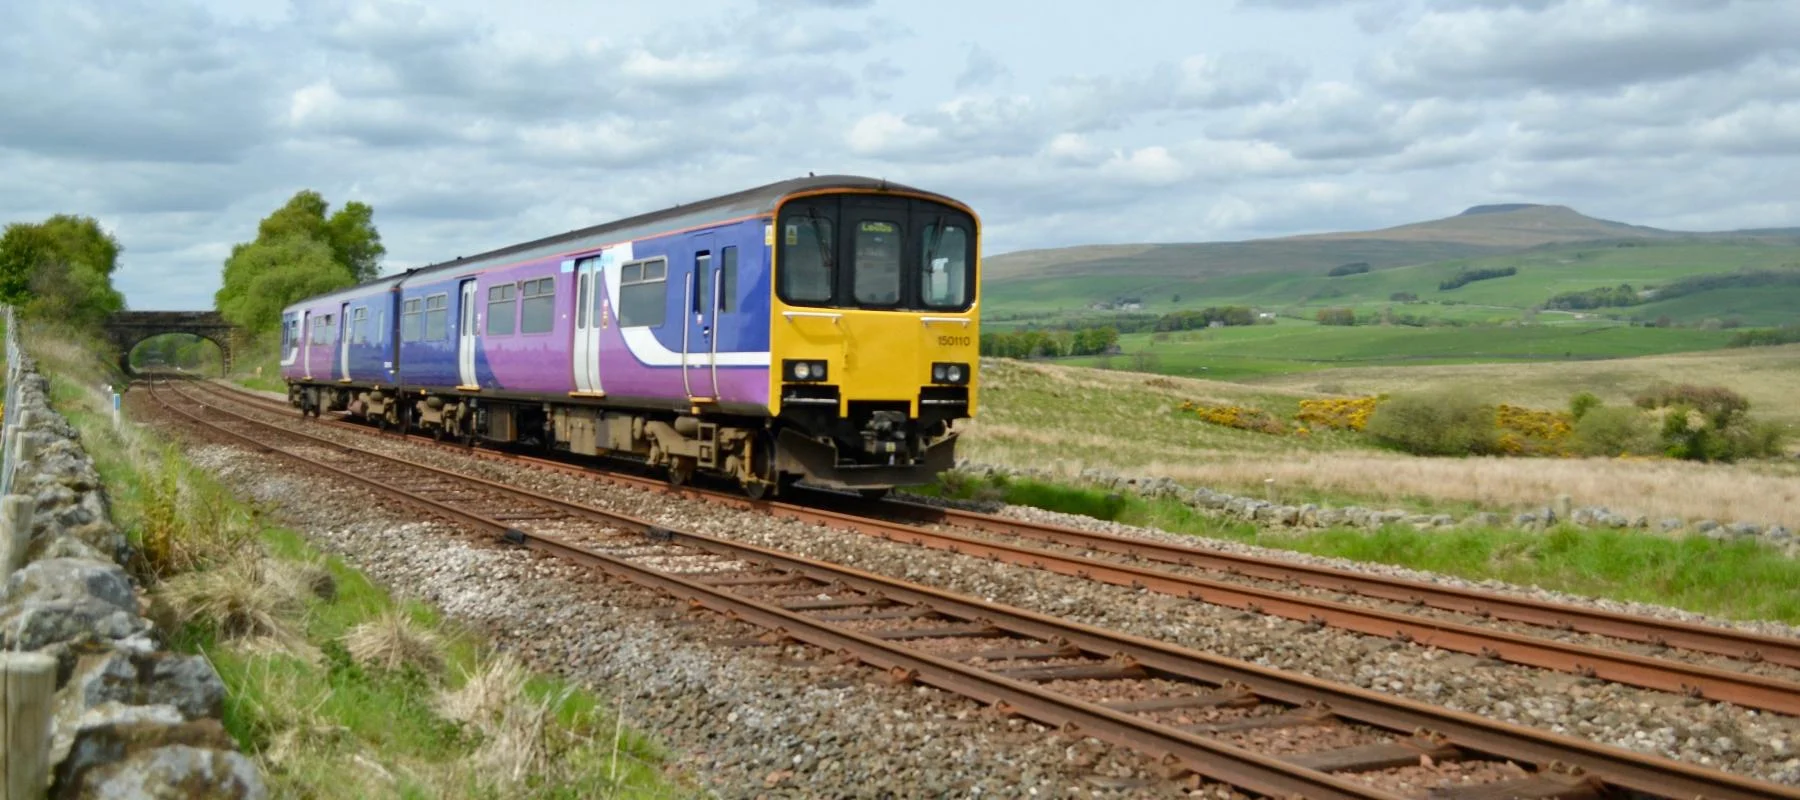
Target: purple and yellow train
820, 329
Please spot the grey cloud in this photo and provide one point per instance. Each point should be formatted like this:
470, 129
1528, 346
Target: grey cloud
980, 68
131, 81
1580, 47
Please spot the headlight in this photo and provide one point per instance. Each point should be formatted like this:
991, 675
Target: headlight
956, 374
797, 370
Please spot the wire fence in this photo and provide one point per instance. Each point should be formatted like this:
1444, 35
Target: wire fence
9, 409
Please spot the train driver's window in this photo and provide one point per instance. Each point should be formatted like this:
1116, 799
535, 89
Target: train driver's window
806, 259
877, 266
945, 251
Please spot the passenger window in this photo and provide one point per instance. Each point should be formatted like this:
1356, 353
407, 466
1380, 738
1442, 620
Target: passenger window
359, 325
412, 323
877, 264
807, 255
437, 317
500, 310
945, 275
727, 278
537, 306
644, 302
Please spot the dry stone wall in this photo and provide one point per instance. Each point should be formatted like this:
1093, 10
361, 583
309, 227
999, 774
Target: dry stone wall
132, 718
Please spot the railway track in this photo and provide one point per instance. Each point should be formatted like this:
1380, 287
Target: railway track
1262, 730
1135, 562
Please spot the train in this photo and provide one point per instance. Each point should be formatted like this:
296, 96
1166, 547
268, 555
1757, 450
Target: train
821, 331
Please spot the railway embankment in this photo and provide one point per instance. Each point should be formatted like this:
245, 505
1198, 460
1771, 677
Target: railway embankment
132, 717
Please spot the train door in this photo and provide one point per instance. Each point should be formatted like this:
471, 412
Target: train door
344, 342
465, 338
307, 336
699, 345
588, 323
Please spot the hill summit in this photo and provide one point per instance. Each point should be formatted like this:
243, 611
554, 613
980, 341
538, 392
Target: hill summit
1498, 208
1503, 225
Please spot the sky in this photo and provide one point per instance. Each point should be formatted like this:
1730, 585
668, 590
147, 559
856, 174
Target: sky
470, 125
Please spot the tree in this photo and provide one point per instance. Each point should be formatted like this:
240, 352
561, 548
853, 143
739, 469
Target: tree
300, 250
60, 269
261, 278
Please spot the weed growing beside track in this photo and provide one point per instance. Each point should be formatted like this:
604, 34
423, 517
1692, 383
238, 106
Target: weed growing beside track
302, 642
1737, 579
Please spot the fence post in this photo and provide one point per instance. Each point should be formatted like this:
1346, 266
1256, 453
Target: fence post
27, 686
16, 513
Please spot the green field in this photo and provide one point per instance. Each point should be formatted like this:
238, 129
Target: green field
1542, 273
1293, 346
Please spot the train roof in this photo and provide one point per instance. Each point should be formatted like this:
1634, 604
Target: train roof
749, 202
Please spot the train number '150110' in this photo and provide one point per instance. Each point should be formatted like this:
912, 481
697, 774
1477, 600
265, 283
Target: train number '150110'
954, 341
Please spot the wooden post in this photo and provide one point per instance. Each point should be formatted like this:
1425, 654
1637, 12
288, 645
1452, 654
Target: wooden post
16, 511
27, 686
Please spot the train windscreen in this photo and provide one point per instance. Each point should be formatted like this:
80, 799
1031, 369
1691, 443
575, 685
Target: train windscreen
875, 252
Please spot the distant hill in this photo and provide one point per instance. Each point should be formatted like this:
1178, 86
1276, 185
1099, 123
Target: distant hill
1508, 225
1554, 248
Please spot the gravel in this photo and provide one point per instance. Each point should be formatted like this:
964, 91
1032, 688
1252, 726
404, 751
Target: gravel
742, 721
1704, 733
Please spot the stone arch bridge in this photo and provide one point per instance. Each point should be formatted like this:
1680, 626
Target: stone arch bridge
127, 329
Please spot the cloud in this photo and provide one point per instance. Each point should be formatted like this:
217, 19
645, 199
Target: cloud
1584, 45
981, 68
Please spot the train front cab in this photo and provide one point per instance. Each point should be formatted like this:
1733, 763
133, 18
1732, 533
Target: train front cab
875, 331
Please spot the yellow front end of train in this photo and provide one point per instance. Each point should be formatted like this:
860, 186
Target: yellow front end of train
875, 335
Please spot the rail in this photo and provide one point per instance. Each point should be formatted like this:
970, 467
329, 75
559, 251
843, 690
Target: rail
1611, 664
1436, 732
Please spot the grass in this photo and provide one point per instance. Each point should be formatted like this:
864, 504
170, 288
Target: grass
1289, 276
1767, 376
1257, 351
280, 621
1739, 579
1065, 420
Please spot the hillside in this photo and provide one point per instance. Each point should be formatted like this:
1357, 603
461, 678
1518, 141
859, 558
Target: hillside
1550, 249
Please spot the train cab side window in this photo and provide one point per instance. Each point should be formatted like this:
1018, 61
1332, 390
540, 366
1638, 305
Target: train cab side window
412, 321
808, 256
727, 278
643, 293
437, 317
537, 306
501, 305
944, 277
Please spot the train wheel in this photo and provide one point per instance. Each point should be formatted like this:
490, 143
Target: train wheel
763, 481
681, 470
873, 494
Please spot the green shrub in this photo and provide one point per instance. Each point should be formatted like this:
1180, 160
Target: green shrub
1442, 423
1720, 405
1582, 403
1615, 431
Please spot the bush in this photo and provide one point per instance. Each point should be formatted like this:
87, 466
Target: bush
1443, 423
1615, 431
1721, 405
1341, 270
1581, 404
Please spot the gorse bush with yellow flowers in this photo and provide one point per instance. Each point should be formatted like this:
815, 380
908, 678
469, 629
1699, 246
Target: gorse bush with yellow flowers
1342, 413
1240, 417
